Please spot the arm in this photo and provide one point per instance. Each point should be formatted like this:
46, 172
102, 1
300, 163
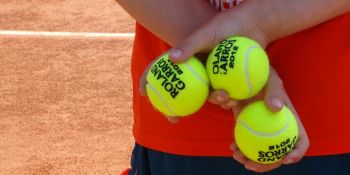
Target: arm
264, 21
279, 18
168, 19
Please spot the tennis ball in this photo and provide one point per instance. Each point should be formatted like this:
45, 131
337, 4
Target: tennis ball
265, 136
239, 66
177, 89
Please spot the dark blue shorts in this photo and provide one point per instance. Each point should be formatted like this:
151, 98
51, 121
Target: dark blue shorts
146, 161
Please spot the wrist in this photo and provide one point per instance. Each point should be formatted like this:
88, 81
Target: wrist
247, 22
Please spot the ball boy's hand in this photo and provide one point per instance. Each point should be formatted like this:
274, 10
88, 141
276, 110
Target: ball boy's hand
237, 21
225, 24
275, 97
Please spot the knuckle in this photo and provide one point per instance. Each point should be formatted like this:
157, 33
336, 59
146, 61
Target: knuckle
225, 106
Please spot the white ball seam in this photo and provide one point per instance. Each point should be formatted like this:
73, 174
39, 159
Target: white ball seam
246, 71
162, 99
262, 134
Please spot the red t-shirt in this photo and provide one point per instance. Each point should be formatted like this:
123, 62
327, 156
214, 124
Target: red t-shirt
315, 68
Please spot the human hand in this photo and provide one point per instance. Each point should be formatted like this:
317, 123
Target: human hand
275, 97
234, 22
231, 22
225, 24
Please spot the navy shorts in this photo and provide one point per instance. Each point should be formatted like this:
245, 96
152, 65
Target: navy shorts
146, 161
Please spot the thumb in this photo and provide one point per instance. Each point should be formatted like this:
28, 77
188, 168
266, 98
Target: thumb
274, 91
201, 40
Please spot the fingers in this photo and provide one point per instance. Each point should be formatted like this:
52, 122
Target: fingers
196, 42
238, 155
275, 97
251, 165
221, 97
202, 39
143, 79
143, 84
229, 105
261, 168
143, 91
173, 120
234, 147
303, 142
218, 97
274, 92
299, 151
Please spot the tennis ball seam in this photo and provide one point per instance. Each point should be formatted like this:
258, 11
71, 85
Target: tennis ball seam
262, 134
161, 98
189, 67
246, 71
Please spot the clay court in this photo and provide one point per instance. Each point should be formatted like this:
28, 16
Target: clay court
65, 95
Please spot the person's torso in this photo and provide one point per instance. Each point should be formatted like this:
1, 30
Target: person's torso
314, 66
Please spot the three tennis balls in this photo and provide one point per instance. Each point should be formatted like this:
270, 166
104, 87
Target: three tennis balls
239, 66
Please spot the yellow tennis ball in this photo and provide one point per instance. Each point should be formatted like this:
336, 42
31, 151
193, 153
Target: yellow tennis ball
265, 136
177, 89
238, 65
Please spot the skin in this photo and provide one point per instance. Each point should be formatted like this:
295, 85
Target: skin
164, 19
273, 90
198, 29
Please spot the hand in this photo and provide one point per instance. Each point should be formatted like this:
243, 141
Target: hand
232, 22
236, 21
225, 24
275, 97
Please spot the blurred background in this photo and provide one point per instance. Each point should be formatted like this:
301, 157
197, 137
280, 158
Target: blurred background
65, 96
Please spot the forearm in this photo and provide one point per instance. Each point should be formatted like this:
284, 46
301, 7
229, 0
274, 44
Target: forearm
279, 18
170, 20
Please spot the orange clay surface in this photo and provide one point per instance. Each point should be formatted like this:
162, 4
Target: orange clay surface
65, 103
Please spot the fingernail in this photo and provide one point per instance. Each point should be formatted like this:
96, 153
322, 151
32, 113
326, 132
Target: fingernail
175, 53
276, 102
